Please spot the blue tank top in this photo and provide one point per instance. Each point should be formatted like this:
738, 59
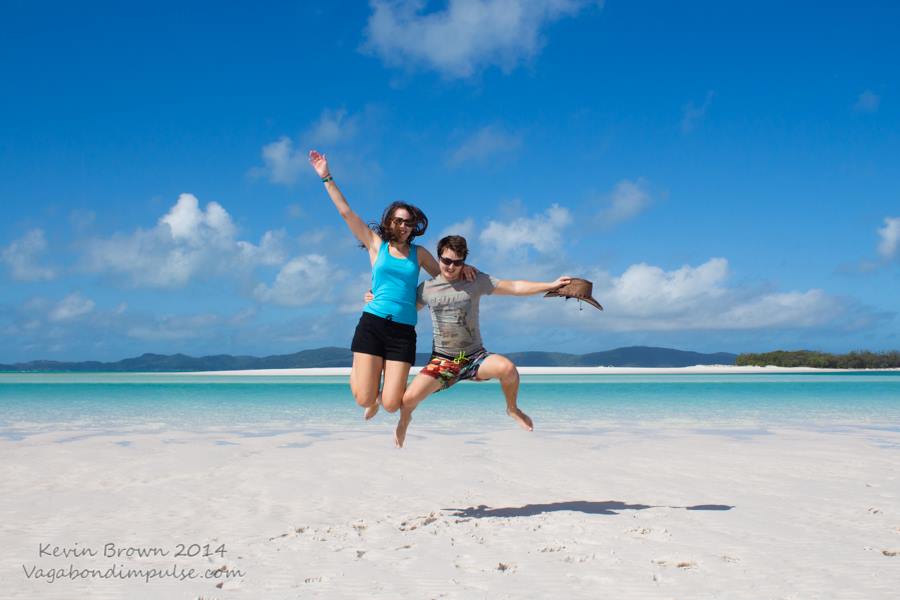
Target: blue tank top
394, 282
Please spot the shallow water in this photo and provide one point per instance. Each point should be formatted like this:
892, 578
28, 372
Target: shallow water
265, 405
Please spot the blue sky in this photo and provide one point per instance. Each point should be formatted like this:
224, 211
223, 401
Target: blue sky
726, 174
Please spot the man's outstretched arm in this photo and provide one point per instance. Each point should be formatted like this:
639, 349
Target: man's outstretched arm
520, 287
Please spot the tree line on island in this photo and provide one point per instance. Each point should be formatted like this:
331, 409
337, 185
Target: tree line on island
632, 356
861, 359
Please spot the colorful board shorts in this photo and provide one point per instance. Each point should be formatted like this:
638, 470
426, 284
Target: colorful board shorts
450, 370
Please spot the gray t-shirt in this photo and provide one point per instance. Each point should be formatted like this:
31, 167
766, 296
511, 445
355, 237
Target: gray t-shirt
454, 311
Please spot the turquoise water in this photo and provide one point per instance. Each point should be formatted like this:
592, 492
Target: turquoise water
259, 405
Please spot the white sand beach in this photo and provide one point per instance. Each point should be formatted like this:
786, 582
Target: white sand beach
649, 512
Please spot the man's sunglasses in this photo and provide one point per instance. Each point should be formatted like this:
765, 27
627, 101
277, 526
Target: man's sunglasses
398, 221
450, 261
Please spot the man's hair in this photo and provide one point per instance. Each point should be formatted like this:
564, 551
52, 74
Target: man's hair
457, 243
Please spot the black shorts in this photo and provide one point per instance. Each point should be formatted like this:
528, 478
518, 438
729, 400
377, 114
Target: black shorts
387, 339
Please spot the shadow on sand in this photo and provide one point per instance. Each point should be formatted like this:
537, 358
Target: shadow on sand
610, 507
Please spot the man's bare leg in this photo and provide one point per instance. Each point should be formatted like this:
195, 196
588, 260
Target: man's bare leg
420, 388
500, 367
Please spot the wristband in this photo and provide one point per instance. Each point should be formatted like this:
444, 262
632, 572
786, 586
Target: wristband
327, 178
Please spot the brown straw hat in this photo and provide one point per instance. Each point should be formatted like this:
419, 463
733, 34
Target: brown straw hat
579, 289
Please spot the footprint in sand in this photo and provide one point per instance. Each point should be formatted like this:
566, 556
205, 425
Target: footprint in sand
650, 533
681, 564
891, 552
580, 559
410, 525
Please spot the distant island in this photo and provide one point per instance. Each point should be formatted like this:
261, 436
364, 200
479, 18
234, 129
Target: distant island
632, 356
822, 360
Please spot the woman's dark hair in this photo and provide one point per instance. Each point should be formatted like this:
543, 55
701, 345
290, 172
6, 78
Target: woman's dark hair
383, 229
457, 243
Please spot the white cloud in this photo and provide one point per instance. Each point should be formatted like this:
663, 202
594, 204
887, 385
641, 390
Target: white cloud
72, 306
350, 299
295, 211
868, 101
188, 224
174, 327
314, 237
786, 309
81, 220
485, 143
334, 126
284, 162
541, 232
21, 257
691, 298
645, 290
890, 237
303, 280
186, 242
120, 331
692, 114
628, 199
646, 297
270, 251
464, 228
466, 36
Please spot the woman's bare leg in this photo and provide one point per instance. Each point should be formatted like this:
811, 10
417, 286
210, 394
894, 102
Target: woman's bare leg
364, 379
420, 388
395, 376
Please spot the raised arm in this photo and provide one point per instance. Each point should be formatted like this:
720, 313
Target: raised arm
520, 287
428, 262
362, 232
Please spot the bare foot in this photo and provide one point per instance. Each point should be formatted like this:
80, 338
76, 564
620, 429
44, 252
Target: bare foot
400, 432
371, 411
521, 418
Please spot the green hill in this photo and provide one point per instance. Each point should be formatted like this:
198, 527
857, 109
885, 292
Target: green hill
634, 356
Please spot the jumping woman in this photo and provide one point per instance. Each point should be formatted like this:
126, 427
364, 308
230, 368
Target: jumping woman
385, 338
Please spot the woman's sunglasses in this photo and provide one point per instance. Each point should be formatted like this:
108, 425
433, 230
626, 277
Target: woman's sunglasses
450, 261
398, 221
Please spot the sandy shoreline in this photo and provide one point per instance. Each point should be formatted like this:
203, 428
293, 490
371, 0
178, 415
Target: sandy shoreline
669, 506
777, 513
696, 370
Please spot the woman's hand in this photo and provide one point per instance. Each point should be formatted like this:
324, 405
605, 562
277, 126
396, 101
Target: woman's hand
319, 163
469, 273
368, 296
